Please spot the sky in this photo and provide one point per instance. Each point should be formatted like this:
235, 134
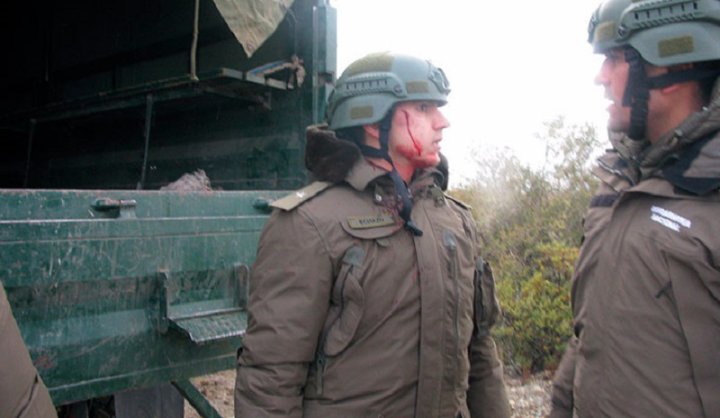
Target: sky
512, 66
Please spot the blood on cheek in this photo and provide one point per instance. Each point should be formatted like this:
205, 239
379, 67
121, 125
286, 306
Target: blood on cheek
416, 146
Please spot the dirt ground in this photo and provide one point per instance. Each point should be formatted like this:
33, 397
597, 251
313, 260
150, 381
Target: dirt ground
218, 389
530, 399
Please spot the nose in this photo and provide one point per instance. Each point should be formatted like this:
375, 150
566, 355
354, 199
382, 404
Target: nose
440, 121
601, 78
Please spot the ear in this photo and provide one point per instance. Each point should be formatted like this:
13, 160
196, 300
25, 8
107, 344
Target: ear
373, 131
670, 89
675, 68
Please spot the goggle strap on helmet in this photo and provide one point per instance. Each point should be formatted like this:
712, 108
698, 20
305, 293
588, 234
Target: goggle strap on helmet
637, 94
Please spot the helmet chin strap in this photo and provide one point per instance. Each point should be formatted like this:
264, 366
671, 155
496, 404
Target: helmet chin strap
636, 95
400, 186
637, 90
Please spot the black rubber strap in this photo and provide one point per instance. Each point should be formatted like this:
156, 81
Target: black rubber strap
668, 79
637, 94
400, 186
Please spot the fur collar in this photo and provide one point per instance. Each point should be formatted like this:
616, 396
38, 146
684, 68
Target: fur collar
327, 157
334, 160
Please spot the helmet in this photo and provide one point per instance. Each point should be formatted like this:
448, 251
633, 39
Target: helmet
372, 85
664, 32
366, 92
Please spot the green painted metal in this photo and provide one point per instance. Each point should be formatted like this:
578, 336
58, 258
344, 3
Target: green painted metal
116, 288
91, 293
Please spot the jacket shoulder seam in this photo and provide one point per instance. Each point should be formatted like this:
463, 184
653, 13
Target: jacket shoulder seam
300, 196
458, 202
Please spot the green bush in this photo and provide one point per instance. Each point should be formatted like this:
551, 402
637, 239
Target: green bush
531, 223
536, 316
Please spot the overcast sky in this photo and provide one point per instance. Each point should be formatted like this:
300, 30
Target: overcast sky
511, 65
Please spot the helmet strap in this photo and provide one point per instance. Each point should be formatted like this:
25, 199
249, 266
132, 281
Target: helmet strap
668, 79
637, 94
637, 90
400, 185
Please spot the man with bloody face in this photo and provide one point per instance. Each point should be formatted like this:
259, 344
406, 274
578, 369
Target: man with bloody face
369, 297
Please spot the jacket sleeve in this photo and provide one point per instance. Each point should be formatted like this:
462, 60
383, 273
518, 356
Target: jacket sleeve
487, 397
696, 288
562, 391
289, 297
22, 392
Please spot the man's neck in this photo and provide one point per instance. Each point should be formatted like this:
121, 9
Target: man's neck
674, 110
405, 172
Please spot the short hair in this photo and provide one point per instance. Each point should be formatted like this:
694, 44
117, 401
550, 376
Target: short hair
354, 134
707, 84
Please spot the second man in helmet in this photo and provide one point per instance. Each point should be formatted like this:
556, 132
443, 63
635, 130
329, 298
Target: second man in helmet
646, 290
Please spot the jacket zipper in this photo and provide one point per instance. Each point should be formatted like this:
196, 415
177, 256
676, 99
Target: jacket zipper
452, 249
321, 358
615, 171
320, 361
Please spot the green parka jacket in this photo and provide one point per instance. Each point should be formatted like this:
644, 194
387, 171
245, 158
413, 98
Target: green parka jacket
350, 315
646, 291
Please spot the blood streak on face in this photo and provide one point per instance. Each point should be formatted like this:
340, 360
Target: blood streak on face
416, 144
415, 136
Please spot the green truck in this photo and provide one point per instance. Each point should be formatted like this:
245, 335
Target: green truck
142, 142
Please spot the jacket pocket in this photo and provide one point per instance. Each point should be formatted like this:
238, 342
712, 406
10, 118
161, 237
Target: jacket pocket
349, 303
343, 318
487, 308
460, 286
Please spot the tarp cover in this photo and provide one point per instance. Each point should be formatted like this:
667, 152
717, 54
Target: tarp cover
253, 21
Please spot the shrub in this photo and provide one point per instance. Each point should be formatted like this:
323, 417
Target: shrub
531, 223
536, 316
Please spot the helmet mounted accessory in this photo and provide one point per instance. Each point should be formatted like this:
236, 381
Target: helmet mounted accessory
660, 32
367, 93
